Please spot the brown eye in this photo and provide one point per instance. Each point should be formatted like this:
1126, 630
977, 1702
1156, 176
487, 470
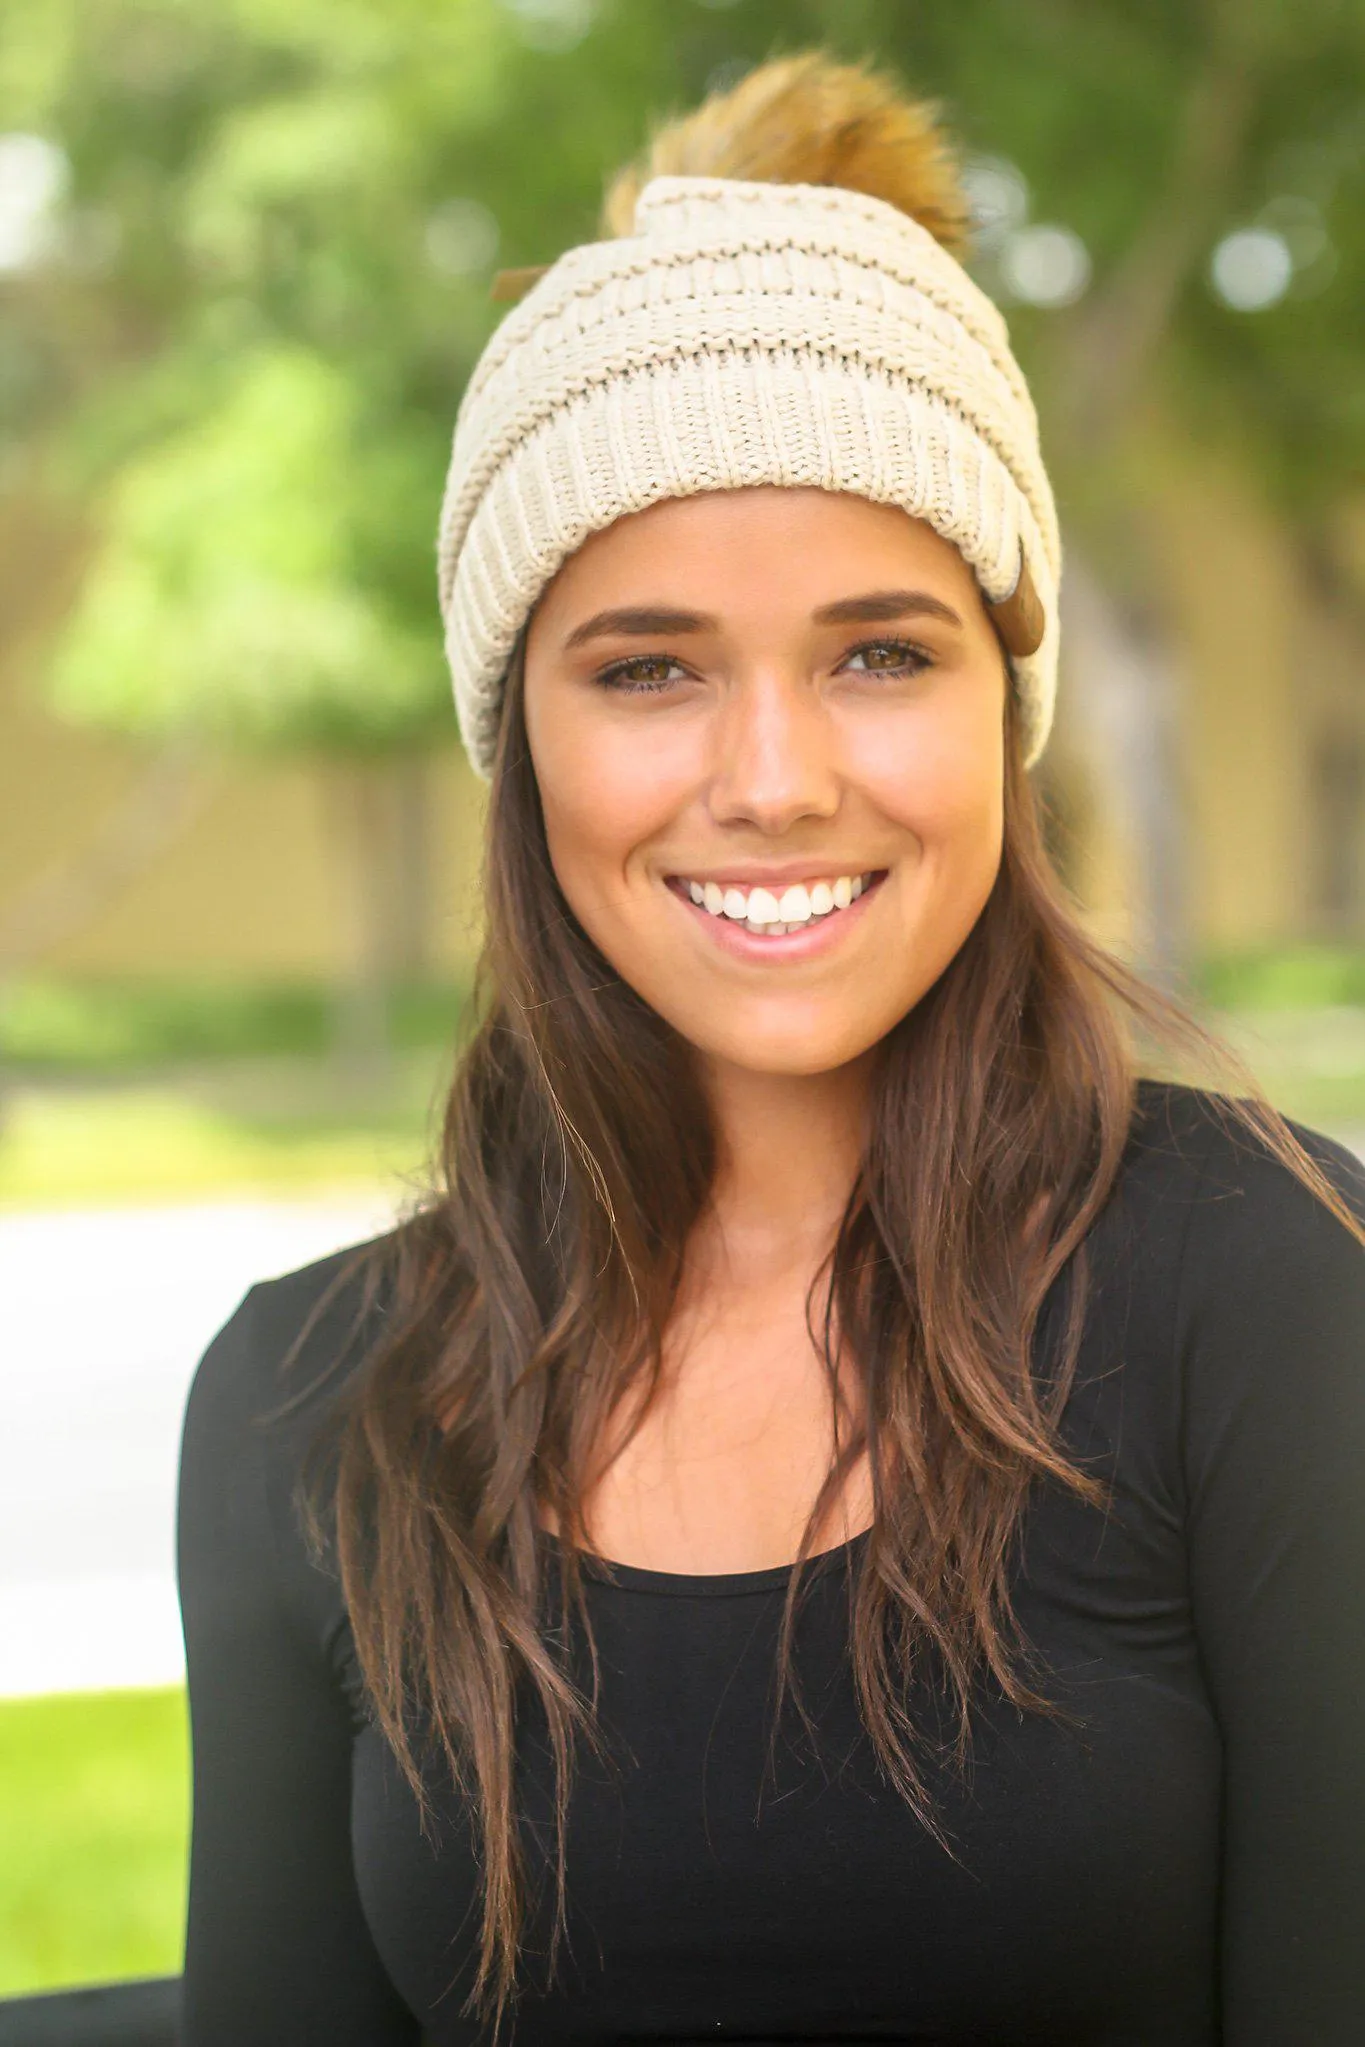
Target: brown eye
639, 674
888, 657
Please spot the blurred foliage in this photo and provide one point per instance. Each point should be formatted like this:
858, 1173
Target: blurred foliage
229, 597
94, 1829
50, 1026
266, 281
1288, 978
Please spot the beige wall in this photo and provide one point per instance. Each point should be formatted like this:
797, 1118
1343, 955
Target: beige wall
257, 880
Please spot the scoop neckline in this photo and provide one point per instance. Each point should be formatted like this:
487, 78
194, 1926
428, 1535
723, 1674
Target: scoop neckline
619, 1577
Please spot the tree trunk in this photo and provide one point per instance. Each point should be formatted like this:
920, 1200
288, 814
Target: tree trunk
1127, 666
1125, 703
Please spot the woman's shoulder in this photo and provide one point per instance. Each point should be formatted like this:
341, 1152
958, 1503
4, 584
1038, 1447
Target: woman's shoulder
1200, 1143
292, 1344
1237, 1227
1261, 1307
259, 1406
1206, 1218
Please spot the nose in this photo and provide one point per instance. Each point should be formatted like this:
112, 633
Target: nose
774, 758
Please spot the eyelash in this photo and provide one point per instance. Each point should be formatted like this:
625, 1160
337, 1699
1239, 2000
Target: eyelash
916, 661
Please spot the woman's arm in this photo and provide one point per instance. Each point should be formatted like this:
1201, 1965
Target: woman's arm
277, 1948
1273, 1334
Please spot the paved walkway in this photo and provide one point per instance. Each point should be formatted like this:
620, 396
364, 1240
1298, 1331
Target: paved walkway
103, 1316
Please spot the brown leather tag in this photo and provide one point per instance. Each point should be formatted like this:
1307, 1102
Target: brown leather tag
1019, 618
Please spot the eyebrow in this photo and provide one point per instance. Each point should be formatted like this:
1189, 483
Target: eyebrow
875, 607
880, 607
640, 618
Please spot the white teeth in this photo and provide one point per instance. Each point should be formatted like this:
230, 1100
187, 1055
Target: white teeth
762, 910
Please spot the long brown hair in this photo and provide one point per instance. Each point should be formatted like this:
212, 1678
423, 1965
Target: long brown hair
531, 1291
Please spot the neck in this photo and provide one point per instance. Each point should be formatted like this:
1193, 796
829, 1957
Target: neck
789, 1147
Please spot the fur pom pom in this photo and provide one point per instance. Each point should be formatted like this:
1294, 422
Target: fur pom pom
810, 120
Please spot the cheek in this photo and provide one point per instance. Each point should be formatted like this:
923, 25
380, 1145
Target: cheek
603, 797
941, 779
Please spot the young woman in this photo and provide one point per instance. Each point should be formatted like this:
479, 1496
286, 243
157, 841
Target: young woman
843, 1517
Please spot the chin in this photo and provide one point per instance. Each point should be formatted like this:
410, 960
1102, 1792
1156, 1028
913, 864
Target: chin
798, 1053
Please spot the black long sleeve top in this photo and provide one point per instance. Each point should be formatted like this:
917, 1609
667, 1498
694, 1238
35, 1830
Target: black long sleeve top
1180, 1863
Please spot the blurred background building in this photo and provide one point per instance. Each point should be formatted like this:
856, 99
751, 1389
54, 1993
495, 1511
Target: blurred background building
245, 254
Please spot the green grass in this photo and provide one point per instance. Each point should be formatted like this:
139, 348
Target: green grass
1291, 977
262, 1126
81, 1027
94, 1827
115, 1091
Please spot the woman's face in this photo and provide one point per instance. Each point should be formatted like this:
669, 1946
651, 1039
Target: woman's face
781, 690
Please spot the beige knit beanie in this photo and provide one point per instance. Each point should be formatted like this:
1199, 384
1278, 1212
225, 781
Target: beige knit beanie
800, 321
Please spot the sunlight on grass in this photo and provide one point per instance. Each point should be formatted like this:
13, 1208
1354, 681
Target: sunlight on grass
91, 1145
94, 1825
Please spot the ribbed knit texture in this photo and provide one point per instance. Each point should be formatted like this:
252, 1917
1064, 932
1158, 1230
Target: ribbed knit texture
745, 334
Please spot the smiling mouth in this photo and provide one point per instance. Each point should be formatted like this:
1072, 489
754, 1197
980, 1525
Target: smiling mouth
773, 913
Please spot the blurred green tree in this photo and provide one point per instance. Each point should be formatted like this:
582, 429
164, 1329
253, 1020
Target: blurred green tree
231, 597
233, 342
